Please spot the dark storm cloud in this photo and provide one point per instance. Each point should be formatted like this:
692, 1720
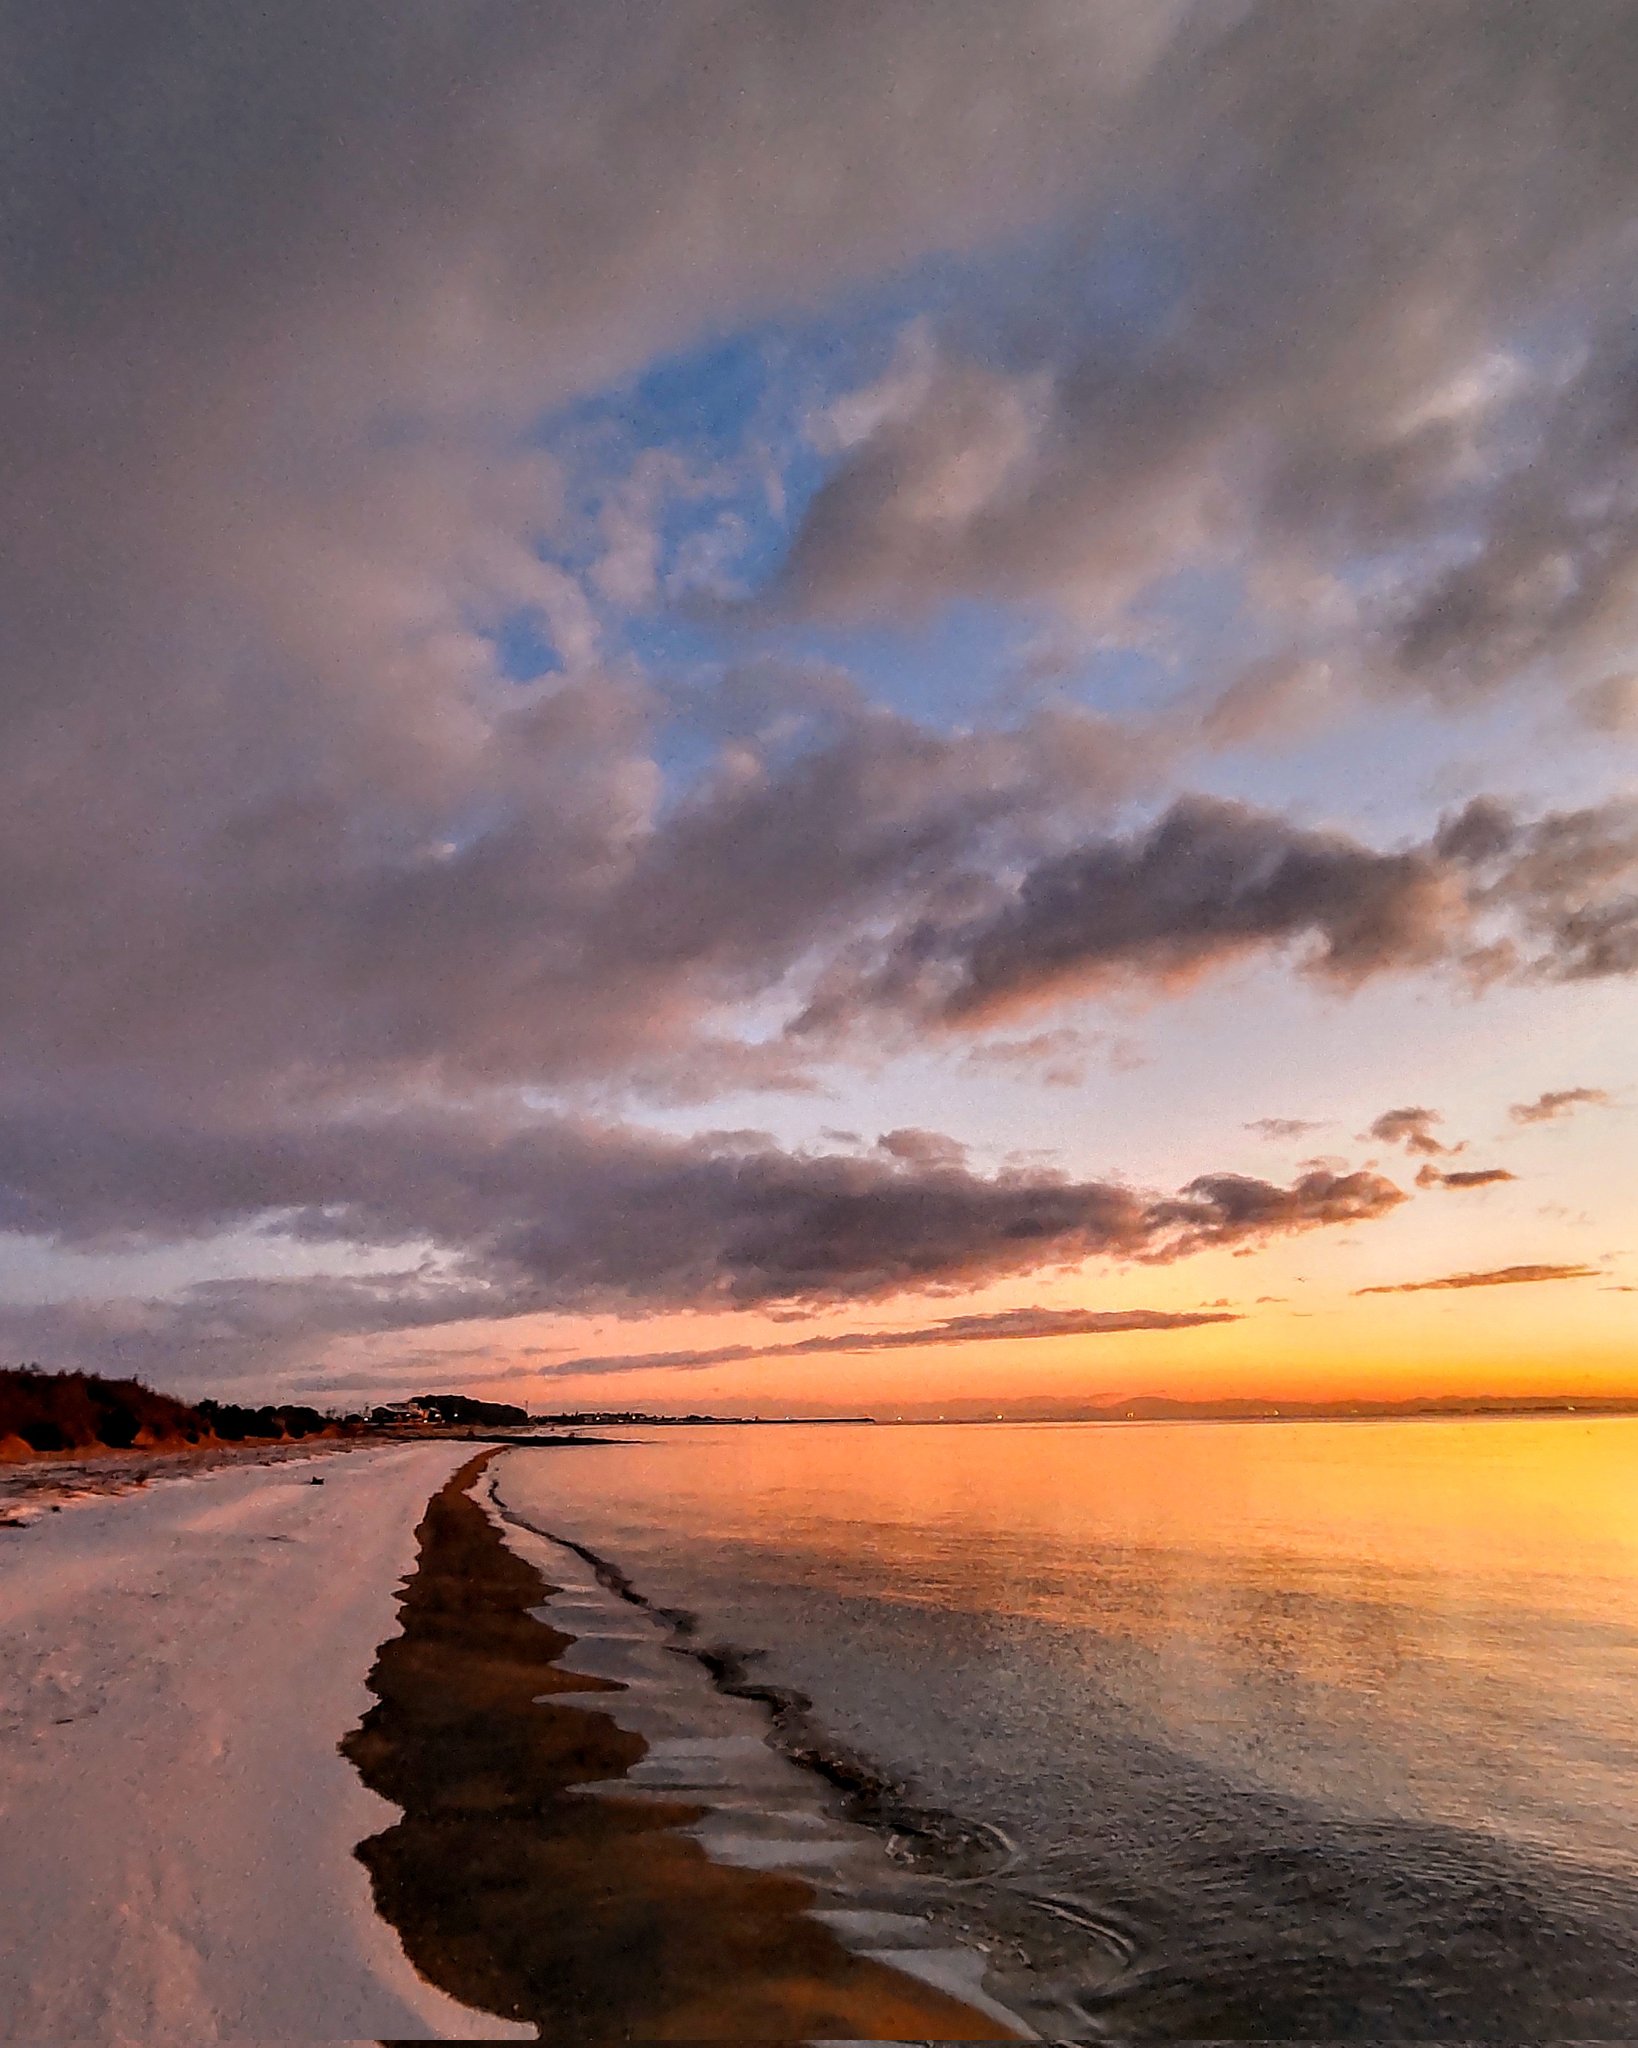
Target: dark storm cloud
580, 934
589, 1215
1208, 882
1556, 1103
1211, 883
1399, 249
501, 1220
1503, 1276
1557, 568
1226, 1208
1565, 885
577, 929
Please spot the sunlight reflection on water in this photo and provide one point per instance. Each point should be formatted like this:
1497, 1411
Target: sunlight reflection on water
1342, 1716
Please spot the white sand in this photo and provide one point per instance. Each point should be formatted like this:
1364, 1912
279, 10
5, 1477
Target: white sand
176, 1826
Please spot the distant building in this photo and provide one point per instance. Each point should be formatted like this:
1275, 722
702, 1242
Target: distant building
447, 1409
399, 1412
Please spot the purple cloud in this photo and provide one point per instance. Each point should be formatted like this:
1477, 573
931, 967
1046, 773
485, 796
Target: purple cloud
1557, 1103
1501, 1276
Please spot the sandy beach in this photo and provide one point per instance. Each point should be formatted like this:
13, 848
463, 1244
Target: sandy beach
177, 1826
296, 1760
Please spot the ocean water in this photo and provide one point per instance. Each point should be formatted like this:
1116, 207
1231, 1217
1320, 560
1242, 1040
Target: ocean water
1270, 1731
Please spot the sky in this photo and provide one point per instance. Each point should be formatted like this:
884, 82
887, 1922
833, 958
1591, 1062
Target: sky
781, 708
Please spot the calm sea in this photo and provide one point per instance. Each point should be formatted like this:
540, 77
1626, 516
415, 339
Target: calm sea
1289, 1731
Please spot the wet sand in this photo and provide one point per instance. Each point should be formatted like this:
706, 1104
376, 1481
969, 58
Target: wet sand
592, 1919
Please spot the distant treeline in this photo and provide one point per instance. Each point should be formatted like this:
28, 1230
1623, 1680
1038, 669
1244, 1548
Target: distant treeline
455, 1410
79, 1411
234, 1424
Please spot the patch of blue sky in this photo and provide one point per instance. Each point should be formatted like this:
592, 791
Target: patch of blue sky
947, 670
1038, 298
969, 665
524, 650
736, 411
712, 405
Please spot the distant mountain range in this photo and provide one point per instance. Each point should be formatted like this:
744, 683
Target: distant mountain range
1163, 1408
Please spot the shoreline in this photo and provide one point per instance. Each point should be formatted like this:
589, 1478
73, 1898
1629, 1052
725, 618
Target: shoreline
543, 1823
961, 1848
949, 1886
548, 1864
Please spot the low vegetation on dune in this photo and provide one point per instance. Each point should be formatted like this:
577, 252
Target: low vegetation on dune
43, 1412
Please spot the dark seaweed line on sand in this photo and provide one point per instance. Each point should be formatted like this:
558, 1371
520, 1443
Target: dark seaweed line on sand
590, 1919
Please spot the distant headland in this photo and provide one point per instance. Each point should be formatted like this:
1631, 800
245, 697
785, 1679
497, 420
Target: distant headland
56, 1414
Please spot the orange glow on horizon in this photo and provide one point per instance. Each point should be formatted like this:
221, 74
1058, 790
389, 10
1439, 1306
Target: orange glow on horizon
1550, 1338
